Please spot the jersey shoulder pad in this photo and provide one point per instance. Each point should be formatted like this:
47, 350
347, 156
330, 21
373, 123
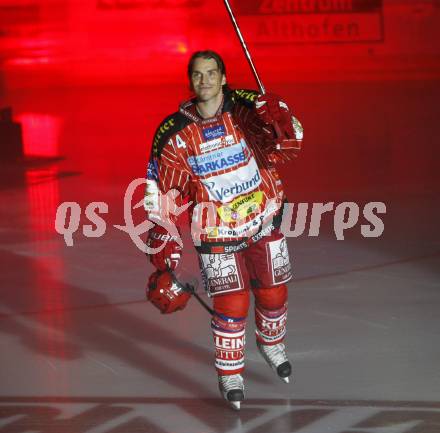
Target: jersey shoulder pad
245, 97
168, 127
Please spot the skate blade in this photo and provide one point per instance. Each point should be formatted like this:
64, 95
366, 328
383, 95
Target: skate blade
235, 405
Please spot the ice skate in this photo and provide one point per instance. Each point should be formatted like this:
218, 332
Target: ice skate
276, 357
232, 389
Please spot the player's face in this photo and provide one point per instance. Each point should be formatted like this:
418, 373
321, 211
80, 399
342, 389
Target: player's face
206, 79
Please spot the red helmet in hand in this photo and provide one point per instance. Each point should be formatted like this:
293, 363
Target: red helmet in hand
166, 293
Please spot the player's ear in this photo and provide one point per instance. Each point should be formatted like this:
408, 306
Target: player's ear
223, 80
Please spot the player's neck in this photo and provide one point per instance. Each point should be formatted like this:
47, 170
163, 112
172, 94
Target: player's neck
208, 109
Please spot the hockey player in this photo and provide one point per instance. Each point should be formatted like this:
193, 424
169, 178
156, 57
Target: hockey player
219, 151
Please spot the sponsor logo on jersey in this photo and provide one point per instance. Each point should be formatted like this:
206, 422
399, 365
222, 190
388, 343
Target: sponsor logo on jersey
215, 161
207, 146
241, 207
247, 229
264, 232
214, 132
225, 187
235, 248
229, 248
153, 170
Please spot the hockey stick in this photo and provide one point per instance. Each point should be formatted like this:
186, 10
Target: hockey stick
245, 49
190, 289
277, 130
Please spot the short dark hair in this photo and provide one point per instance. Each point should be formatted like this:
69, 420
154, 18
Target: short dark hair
206, 54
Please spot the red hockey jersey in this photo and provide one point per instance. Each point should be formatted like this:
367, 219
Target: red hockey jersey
219, 164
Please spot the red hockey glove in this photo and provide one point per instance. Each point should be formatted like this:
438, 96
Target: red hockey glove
164, 251
166, 293
281, 128
271, 109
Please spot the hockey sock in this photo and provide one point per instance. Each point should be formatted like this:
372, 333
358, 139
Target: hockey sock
229, 341
271, 324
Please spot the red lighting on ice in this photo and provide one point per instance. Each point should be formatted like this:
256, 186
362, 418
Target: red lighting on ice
40, 134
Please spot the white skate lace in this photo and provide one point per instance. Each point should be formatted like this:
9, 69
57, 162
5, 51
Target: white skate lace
233, 381
276, 353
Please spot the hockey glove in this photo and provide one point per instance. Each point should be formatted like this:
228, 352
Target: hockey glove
166, 293
164, 250
281, 129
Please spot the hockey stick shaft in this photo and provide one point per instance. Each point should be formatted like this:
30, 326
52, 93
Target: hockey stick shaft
192, 290
189, 288
245, 48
